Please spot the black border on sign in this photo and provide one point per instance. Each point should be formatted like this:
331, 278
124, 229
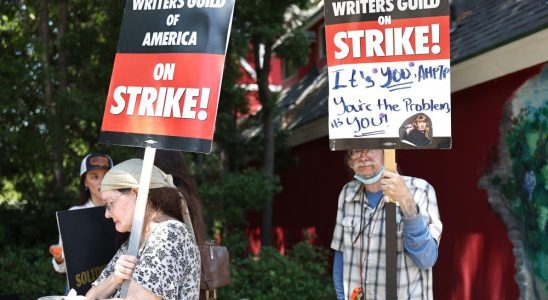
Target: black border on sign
385, 143
330, 18
162, 141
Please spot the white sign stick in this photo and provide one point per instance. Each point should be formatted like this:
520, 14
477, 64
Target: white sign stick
138, 216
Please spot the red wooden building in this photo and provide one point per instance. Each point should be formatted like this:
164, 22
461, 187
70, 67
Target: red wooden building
497, 47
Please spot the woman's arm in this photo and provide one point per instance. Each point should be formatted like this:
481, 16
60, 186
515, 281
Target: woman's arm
58, 260
104, 289
122, 271
137, 292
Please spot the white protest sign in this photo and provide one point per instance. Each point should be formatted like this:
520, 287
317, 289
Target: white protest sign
389, 74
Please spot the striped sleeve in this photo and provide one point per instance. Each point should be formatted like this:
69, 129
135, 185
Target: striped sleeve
337, 242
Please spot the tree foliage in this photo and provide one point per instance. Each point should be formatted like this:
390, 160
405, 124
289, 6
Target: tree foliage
526, 189
57, 59
264, 23
27, 122
228, 200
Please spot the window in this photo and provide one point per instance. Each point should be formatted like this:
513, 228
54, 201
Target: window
288, 68
321, 43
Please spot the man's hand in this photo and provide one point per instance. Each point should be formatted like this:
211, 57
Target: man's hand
395, 190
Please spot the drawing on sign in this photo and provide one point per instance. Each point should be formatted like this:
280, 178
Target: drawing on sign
417, 130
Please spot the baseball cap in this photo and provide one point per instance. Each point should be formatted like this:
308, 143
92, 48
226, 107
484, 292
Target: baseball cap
94, 161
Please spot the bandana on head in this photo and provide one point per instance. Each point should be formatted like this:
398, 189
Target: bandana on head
128, 173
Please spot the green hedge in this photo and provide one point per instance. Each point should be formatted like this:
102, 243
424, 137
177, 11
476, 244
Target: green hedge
27, 272
302, 274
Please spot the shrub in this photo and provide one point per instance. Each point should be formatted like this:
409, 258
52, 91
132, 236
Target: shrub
302, 274
28, 273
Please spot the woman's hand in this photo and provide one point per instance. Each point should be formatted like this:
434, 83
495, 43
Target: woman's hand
408, 128
57, 252
124, 268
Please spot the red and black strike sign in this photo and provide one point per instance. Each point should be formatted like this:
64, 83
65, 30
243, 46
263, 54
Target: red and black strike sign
386, 31
167, 74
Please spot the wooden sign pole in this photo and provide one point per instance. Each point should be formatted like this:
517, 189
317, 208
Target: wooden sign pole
391, 233
390, 160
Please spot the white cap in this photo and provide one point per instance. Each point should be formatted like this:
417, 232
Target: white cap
94, 161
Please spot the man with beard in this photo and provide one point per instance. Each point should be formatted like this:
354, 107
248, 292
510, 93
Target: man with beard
359, 270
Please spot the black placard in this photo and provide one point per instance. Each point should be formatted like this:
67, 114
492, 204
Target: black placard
89, 243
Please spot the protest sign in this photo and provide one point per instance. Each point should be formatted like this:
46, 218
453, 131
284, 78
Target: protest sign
167, 74
389, 74
89, 242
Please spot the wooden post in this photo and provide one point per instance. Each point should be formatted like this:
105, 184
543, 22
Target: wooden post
139, 214
390, 159
391, 233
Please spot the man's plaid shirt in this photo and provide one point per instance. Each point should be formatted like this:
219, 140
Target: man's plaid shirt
413, 282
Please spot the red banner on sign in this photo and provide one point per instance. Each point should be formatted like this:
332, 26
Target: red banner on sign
158, 94
412, 39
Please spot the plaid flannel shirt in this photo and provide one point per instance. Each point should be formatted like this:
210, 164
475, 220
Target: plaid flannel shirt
412, 282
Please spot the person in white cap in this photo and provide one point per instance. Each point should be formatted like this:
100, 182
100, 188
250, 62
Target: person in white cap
92, 170
167, 265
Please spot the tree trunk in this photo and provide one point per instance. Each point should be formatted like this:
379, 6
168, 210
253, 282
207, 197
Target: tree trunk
234, 146
199, 161
53, 122
61, 26
59, 137
268, 116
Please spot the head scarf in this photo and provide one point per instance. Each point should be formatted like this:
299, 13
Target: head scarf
128, 173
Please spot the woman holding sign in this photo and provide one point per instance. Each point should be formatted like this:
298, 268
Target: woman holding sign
168, 262
92, 169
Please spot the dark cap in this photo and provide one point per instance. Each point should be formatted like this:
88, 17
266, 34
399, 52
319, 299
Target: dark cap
94, 161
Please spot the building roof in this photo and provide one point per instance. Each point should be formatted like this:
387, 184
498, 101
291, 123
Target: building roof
487, 24
306, 100
478, 27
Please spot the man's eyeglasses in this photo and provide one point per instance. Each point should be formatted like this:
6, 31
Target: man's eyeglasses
358, 153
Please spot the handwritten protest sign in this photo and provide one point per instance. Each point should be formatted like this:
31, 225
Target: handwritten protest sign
167, 74
389, 74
